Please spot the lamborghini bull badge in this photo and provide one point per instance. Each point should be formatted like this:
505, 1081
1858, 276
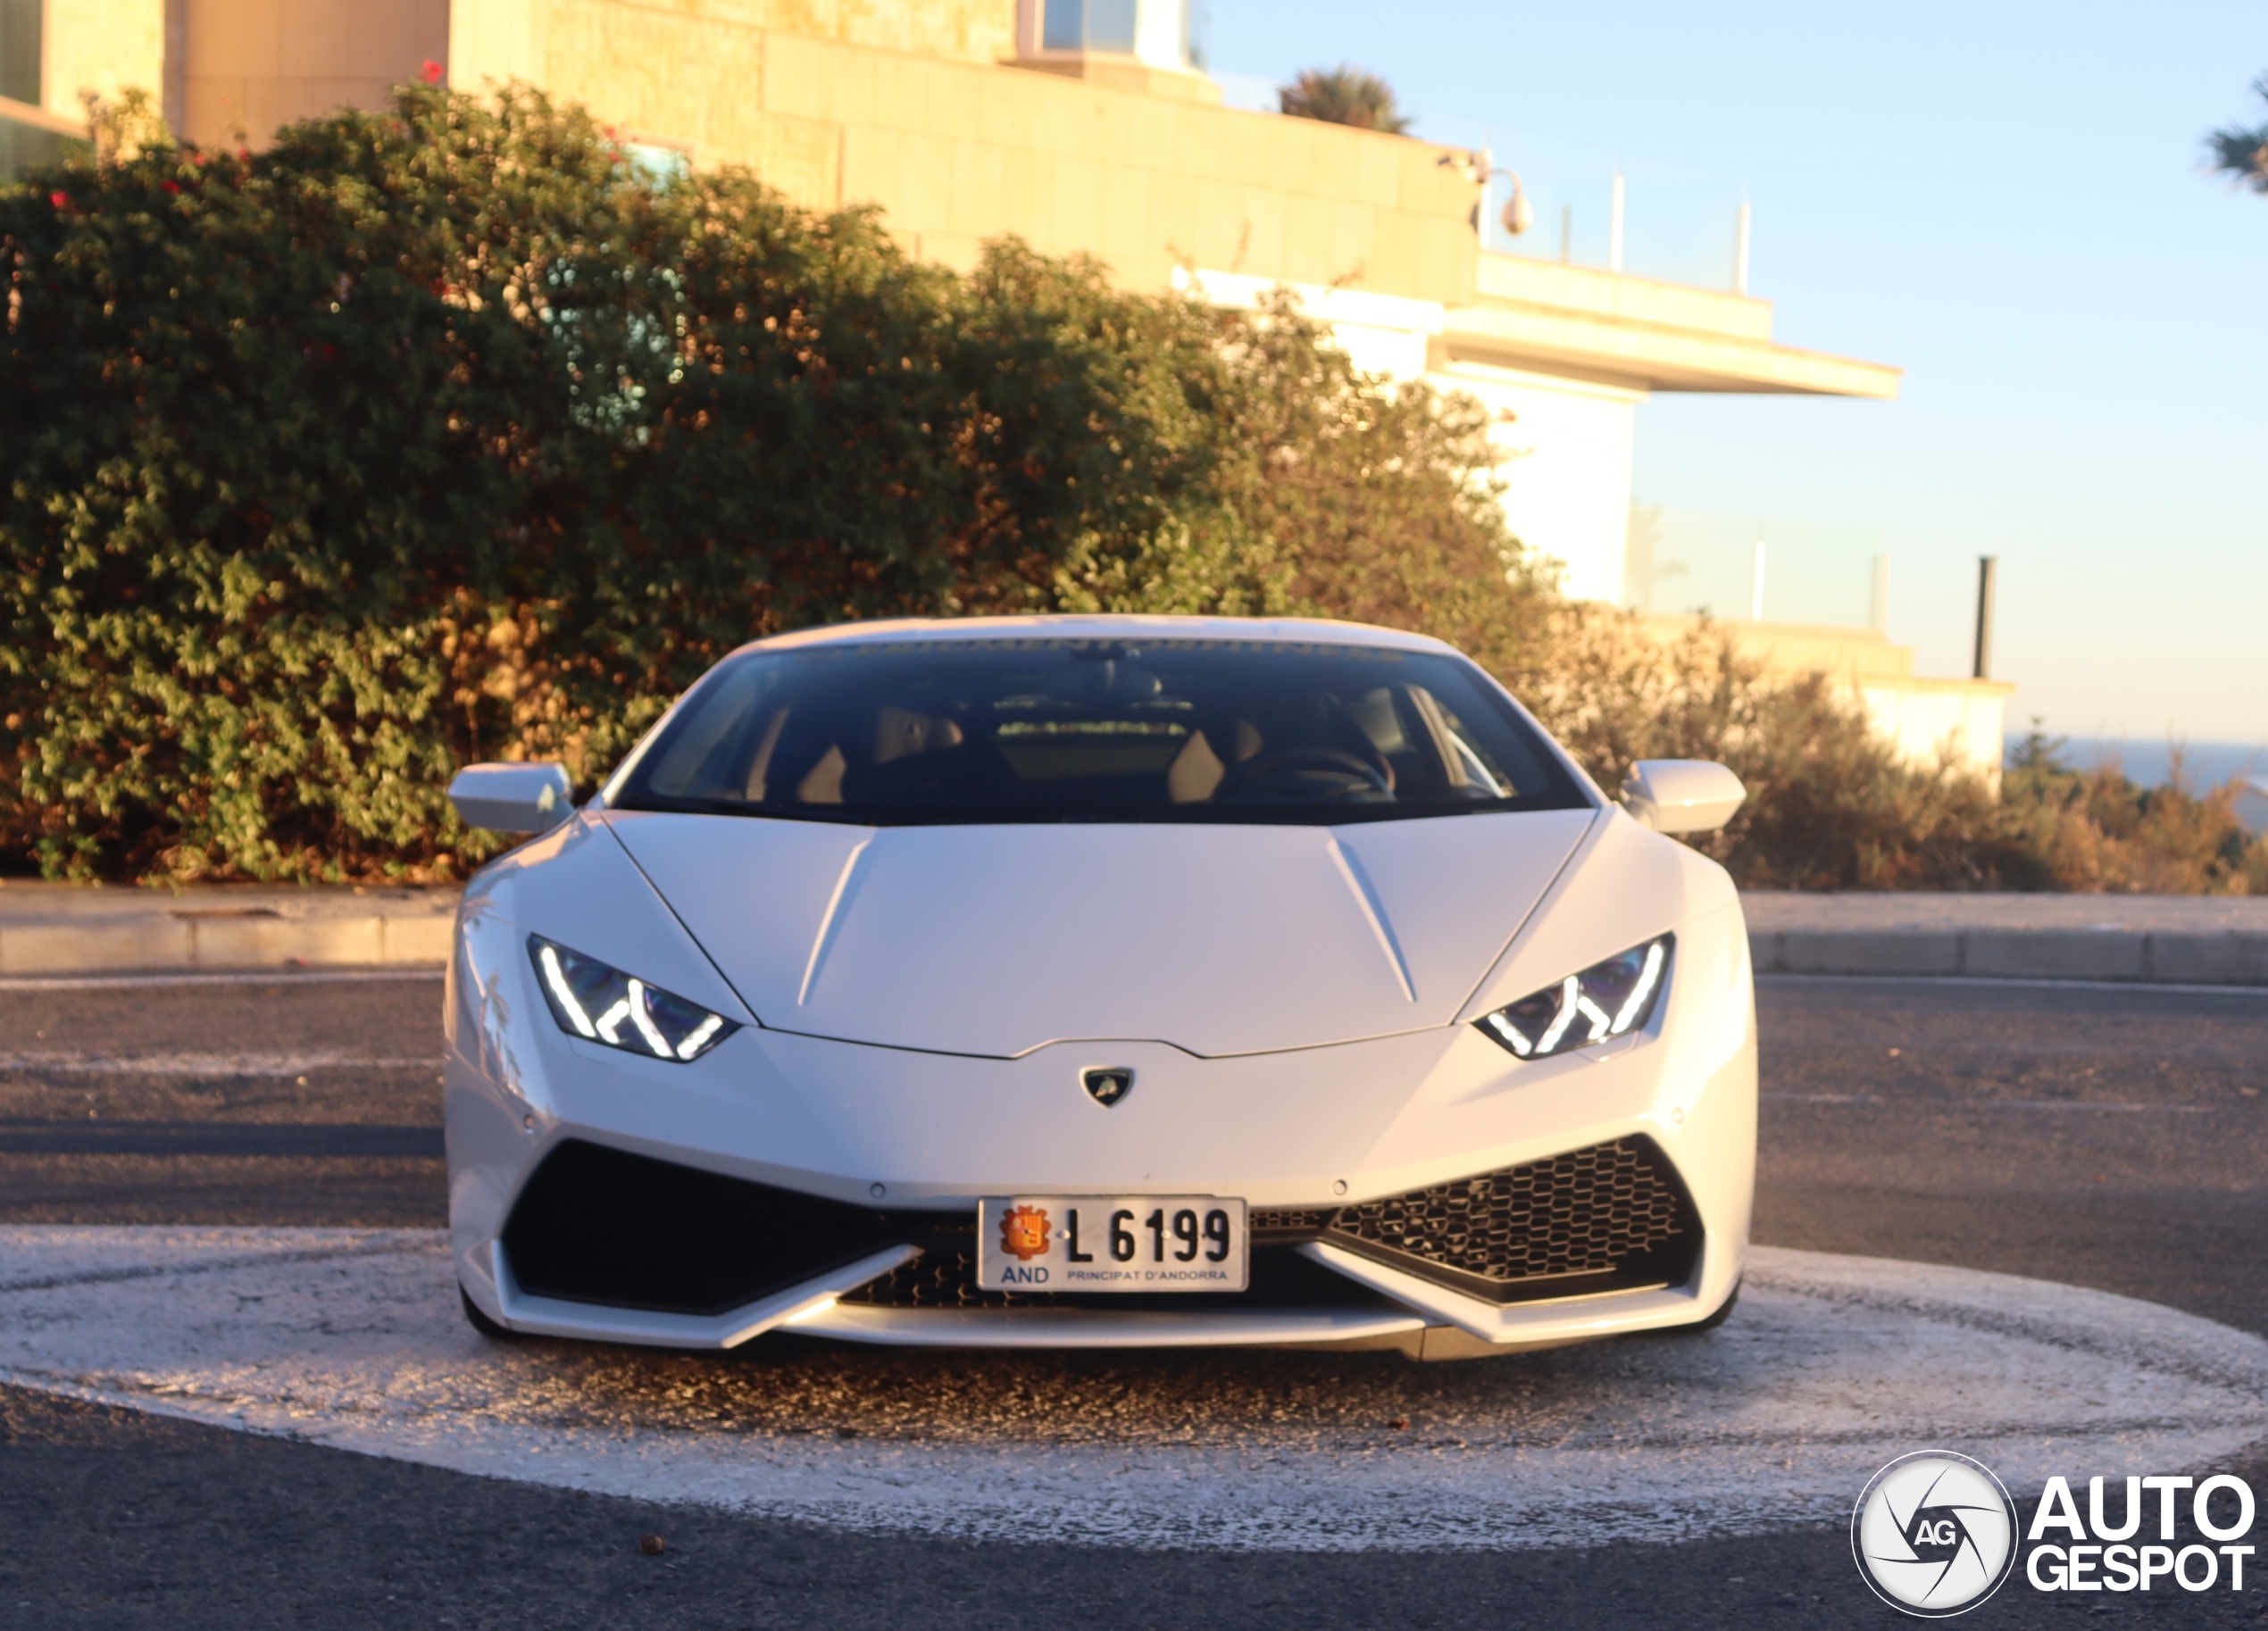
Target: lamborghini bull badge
1106, 1084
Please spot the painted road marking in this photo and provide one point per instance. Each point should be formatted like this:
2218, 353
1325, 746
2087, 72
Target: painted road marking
354, 1140
1919, 1102
1986, 981
1832, 1365
206, 1065
228, 976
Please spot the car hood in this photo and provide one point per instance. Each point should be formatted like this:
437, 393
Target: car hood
996, 940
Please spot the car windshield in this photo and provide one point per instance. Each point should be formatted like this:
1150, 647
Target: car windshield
885, 733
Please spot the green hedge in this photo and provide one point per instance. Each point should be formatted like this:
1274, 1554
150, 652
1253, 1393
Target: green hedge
447, 434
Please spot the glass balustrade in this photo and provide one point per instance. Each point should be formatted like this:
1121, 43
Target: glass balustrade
1746, 570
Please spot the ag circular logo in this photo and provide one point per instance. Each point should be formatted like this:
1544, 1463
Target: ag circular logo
1934, 1534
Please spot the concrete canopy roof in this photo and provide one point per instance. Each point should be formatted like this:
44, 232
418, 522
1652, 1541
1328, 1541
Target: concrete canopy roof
1617, 329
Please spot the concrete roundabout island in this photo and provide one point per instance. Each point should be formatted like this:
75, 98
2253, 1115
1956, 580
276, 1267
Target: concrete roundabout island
1832, 1365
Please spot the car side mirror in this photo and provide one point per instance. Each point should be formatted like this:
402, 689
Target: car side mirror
1682, 795
512, 798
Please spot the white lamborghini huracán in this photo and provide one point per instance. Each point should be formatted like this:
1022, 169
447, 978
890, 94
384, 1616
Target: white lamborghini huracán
1100, 982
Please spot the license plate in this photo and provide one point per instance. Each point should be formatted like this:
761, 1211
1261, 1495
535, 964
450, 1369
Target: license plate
1112, 1242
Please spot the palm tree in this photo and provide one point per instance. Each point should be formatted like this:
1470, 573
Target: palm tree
1343, 95
2235, 151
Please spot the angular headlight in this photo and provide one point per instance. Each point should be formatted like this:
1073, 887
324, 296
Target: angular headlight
619, 1010
1603, 1001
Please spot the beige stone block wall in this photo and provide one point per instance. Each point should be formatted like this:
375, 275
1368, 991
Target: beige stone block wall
250, 66
102, 46
495, 39
961, 31
956, 150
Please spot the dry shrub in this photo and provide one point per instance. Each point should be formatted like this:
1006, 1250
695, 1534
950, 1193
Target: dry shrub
2095, 831
1832, 805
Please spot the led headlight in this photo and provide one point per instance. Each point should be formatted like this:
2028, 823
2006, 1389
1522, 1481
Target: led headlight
1603, 1001
619, 1010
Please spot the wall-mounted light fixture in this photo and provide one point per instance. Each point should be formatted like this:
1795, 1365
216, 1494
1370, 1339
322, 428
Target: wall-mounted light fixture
1517, 214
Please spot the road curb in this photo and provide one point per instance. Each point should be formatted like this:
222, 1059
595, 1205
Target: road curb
104, 932
2229, 957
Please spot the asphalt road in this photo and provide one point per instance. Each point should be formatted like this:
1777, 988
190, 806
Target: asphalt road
2105, 1138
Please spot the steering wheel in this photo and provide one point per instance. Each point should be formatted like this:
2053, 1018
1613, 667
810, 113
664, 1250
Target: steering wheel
1379, 774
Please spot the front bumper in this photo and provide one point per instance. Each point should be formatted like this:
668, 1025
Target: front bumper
1358, 1162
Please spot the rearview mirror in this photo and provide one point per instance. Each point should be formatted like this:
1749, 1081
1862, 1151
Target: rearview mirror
512, 798
1682, 795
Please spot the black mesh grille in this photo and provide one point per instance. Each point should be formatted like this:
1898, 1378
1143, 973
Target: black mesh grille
1312, 1221
1614, 1213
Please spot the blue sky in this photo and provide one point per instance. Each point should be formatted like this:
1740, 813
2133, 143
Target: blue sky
2008, 200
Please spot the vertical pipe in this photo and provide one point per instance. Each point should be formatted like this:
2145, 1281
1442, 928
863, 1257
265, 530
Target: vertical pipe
1615, 226
1740, 254
1877, 610
1566, 232
1987, 570
1756, 581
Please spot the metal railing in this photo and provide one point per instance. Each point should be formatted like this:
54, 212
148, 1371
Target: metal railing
1591, 206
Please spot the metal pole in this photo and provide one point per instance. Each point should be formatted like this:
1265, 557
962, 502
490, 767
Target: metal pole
1877, 614
1740, 255
1988, 570
1615, 226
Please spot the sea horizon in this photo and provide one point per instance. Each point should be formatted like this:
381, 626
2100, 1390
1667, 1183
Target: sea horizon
2149, 762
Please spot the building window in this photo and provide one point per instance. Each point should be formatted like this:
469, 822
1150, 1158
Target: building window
20, 21
1091, 25
23, 145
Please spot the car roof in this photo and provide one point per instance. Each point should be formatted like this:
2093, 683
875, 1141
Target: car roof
1275, 630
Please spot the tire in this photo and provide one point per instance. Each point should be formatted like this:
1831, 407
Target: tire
481, 1323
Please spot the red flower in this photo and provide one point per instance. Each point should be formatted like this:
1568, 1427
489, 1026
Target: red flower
59, 200
170, 187
431, 72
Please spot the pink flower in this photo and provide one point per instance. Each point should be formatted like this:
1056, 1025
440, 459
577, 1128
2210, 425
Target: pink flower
431, 72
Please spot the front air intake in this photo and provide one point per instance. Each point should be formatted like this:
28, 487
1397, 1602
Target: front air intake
596, 1225
1613, 1217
